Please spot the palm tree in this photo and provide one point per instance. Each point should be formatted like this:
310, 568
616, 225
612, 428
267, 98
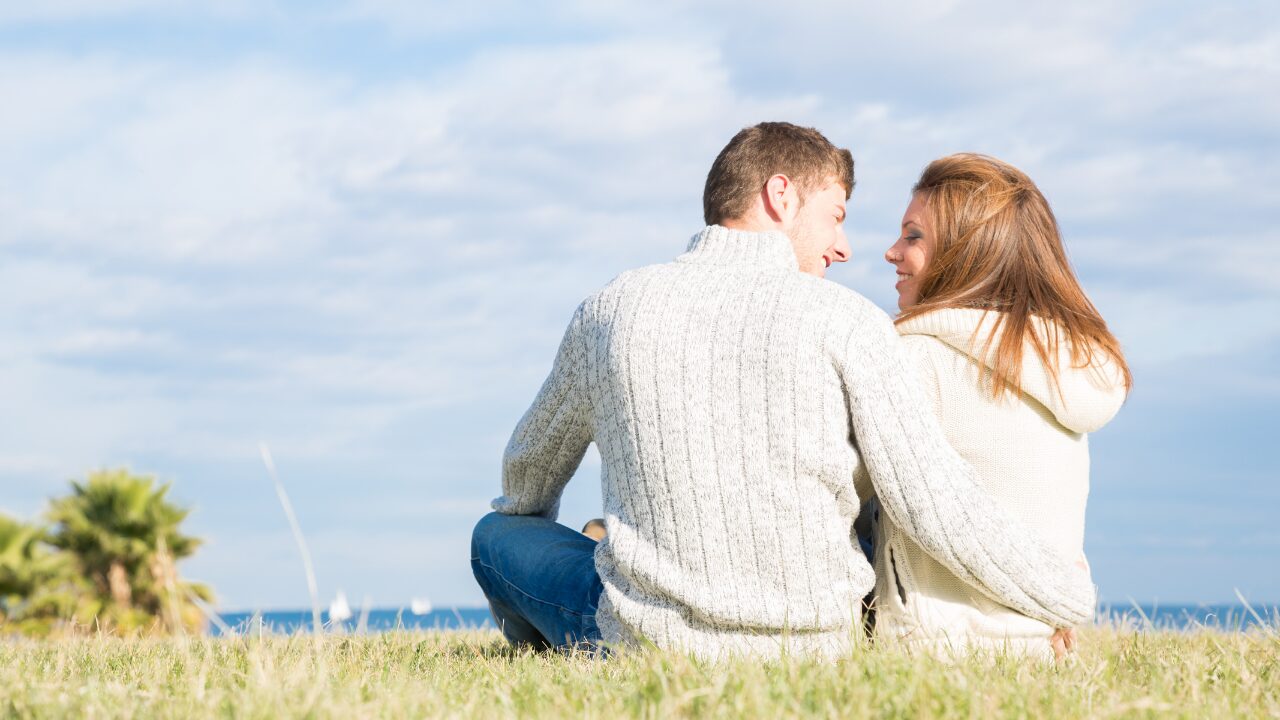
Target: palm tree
39, 588
124, 535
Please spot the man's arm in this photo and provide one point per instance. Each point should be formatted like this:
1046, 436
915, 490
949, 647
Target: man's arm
932, 494
550, 440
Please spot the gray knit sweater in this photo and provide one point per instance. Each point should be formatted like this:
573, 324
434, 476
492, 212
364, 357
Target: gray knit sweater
732, 398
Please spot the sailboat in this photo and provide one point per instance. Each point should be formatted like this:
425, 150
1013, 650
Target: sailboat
420, 606
339, 609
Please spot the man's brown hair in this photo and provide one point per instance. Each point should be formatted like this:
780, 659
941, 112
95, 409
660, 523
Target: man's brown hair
758, 153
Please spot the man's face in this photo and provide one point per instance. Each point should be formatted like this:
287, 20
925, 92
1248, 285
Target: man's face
817, 232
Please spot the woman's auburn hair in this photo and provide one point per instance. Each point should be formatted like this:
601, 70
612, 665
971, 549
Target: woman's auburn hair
997, 247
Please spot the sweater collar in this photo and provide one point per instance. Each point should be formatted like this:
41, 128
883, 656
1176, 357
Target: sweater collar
1082, 399
719, 245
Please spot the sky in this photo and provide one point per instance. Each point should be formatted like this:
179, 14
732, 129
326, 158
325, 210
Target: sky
355, 231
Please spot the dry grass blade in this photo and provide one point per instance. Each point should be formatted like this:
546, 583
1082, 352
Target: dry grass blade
298, 537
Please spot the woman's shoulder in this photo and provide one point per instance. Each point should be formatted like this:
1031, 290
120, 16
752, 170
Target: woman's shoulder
926, 348
945, 324
930, 341
943, 372
1081, 398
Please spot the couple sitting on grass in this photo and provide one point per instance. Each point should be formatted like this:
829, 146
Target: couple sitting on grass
775, 448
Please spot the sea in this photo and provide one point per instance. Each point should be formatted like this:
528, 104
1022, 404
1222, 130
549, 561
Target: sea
1140, 617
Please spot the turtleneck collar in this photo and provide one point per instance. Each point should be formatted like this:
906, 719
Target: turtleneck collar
719, 245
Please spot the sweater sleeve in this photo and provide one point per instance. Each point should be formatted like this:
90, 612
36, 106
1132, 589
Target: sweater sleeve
931, 493
549, 441
922, 354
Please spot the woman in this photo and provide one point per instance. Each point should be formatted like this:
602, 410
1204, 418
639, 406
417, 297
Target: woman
1020, 368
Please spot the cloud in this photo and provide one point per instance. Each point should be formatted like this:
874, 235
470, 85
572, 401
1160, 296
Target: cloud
202, 257
366, 255
57, 11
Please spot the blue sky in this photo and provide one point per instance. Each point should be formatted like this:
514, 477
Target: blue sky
355, 231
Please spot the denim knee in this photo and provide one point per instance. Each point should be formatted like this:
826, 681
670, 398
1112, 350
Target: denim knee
483, 533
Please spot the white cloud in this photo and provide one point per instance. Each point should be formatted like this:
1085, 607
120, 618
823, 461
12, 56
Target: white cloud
1261, 55
201, 254
1163, 328
79, 10
222, 253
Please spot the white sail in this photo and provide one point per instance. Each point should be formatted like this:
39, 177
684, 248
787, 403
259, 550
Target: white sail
420, 606
339, 609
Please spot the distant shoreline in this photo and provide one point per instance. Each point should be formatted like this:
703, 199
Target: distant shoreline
1221, 616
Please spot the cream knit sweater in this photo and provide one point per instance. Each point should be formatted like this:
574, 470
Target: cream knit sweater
732, 398
1031, 455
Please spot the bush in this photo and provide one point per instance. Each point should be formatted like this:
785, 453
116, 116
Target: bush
109, 562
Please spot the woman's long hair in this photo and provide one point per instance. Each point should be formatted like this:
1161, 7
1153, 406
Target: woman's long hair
996, 246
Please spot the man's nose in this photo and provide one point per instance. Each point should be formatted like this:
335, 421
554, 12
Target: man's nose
841, 249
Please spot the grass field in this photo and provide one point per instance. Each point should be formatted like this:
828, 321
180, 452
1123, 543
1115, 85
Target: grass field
1118, 673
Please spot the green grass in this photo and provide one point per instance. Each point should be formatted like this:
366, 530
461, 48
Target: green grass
1118, 673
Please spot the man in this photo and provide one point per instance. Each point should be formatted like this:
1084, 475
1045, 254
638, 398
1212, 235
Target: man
732, 395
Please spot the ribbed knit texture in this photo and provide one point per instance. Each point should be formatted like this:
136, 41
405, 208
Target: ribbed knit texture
1031, 454
732, 398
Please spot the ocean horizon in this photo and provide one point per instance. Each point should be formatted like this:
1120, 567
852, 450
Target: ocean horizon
1227, 617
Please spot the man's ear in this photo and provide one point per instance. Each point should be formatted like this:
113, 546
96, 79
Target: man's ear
780, 198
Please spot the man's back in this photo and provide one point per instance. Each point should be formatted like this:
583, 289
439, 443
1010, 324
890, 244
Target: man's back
725, 443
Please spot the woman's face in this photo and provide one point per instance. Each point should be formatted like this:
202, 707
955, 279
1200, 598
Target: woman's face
911, 253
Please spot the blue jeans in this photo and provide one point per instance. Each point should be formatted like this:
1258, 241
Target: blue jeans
540, 579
